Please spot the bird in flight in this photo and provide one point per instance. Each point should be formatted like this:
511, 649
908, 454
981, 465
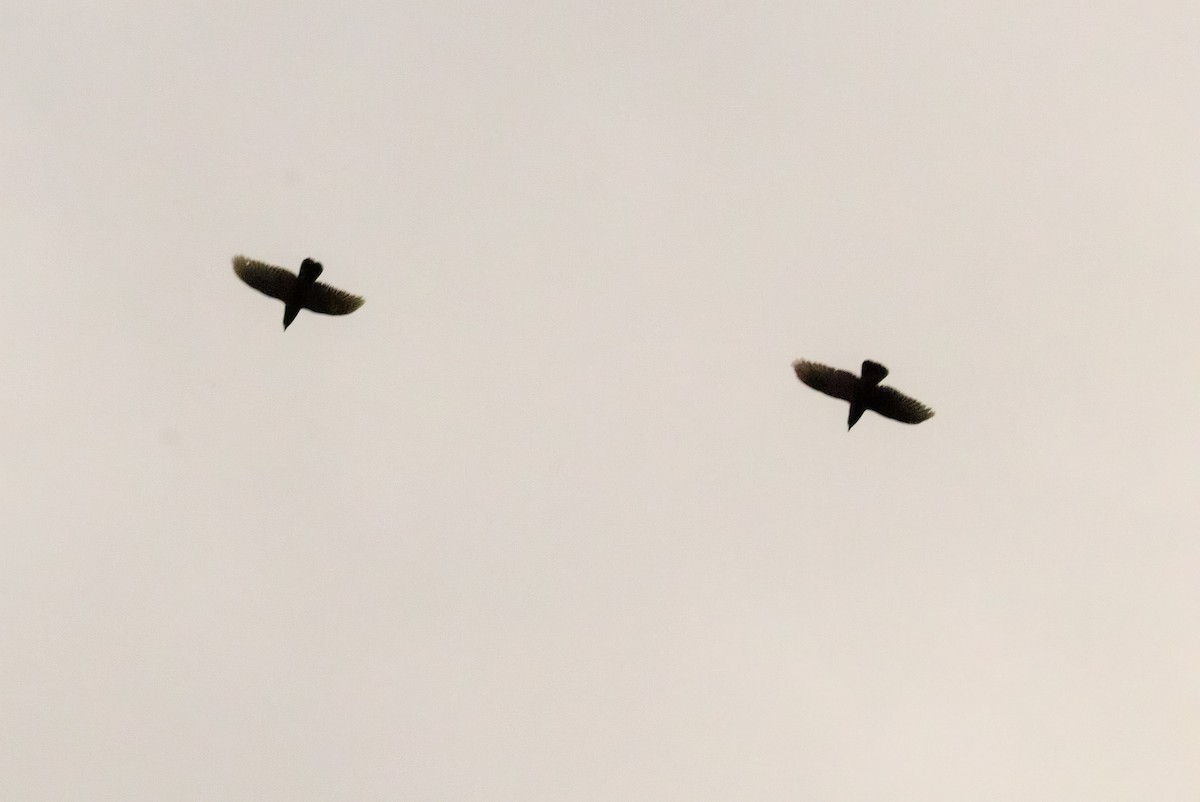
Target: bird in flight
862, 393
303, 292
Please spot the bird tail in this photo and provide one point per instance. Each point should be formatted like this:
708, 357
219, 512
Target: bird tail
873, 372
310, 270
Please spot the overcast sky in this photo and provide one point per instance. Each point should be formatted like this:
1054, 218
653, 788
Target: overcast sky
550, 517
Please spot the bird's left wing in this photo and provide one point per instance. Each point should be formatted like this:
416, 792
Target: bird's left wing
896, 405
331, 301
267, 279
831, 381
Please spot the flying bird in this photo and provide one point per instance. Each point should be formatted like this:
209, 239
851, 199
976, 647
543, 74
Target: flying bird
303, 292
863, 394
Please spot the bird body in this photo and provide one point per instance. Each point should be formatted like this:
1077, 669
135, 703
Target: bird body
296, 292
863, 393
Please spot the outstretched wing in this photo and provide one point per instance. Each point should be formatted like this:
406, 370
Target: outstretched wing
897, 406
267, 279
330, 300
831, 381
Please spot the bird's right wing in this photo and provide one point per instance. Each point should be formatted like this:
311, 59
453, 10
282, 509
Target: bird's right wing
267, 279
831, 381
331, 301
896, 405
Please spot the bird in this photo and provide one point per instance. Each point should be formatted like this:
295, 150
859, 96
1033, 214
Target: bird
862, 393
303, 292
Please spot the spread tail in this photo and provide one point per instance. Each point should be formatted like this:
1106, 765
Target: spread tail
873, 372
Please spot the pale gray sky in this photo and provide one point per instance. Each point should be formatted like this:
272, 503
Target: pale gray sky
550, 518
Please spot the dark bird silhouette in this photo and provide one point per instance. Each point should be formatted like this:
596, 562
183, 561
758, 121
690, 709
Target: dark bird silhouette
303, 292
863, 394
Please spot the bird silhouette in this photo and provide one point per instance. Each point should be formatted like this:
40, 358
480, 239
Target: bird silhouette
303, 292
862, 393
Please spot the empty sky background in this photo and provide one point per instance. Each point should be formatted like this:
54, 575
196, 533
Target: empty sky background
550, 518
